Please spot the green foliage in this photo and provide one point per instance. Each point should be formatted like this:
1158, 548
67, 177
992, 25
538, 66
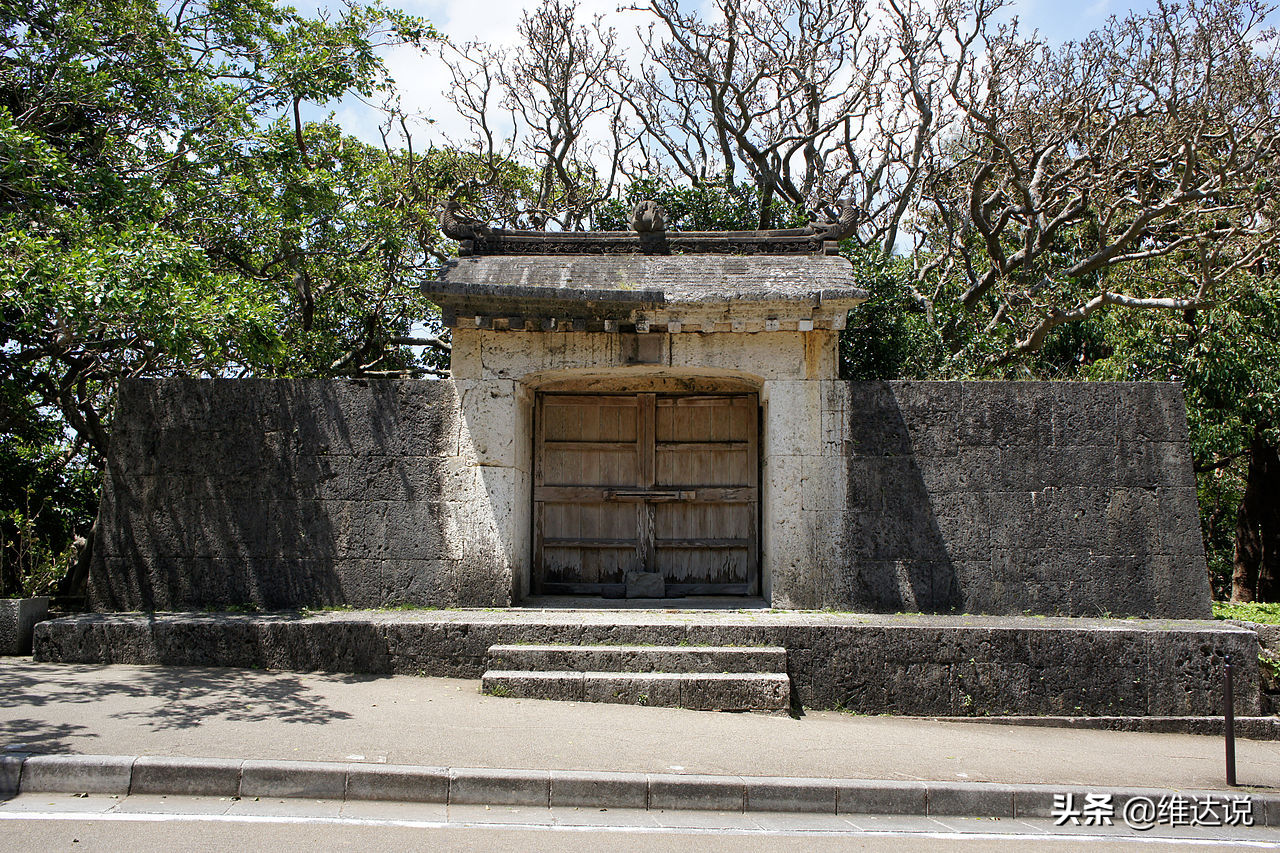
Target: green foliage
46, 494
1252, 611
888, 336
164, 209
1227, 358
719, 206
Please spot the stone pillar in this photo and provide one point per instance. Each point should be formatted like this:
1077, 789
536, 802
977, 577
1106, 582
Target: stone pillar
493, 524
803, 497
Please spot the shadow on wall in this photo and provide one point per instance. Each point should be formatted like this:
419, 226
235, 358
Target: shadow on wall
1057, 498
270, 493
898, 557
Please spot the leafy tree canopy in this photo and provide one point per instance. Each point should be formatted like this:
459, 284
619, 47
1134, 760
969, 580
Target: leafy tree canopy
165, 209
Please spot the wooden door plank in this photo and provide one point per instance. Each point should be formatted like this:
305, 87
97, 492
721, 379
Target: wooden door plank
645, 551
752, 425
705, 538
727, 444
645, 439
585, 444
705, 445
590, 400
590, 446
627, 543
703, 543
569, 494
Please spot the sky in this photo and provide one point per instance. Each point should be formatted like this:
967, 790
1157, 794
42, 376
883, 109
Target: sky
422, 80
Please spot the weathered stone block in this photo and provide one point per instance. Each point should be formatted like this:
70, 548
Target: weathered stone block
655, 689
310, 498
735, 691
645, 585
18, 618
792, 418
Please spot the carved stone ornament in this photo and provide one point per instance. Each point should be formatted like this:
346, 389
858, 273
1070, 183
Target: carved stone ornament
457, 225
844, 226
648, 218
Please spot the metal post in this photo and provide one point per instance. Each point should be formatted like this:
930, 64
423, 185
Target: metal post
1229, 715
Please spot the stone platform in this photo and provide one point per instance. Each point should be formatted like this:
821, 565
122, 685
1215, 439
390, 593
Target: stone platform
907, 664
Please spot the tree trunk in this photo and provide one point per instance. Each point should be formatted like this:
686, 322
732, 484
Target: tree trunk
1256, 569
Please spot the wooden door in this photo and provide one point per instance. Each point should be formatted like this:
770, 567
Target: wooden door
646, 482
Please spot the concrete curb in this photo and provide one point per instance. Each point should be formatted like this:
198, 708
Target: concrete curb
122, 775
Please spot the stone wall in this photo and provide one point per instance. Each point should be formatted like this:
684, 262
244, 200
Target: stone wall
999, 498
287, 493
903, 664
1015, 497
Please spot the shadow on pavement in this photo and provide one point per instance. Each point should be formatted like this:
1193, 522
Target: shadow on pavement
184, 698
31, 736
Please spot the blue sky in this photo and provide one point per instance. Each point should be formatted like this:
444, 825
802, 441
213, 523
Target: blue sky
465, 19
1062, 21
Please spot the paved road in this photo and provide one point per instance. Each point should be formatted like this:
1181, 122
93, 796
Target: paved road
208, 712
143, 824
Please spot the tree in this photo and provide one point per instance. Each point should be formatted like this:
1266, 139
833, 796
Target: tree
1227, 357
708, 206
46, 492
1156, 137
554, 104
813, 101
165, 209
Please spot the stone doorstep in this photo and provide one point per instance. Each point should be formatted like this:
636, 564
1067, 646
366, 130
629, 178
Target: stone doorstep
632, 658
731, 691
123, 775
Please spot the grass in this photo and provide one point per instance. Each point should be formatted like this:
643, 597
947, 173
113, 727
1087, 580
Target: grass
1267, 613
316, 610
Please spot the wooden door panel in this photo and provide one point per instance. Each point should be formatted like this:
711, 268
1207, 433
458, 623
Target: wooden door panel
707, 445
642, 482
570, 466
706, 418
589, 418
704, 465
710, 521
682, 567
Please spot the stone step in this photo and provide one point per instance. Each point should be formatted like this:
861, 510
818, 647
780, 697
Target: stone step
701, 691
709, 659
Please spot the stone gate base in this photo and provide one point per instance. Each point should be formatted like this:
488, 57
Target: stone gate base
871, 664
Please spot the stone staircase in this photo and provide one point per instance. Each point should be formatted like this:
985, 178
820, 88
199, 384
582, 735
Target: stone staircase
704, 678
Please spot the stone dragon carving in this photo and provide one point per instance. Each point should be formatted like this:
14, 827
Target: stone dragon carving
457, 225
648, 218
843, 227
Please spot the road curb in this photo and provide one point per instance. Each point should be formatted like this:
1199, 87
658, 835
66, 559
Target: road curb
122, 775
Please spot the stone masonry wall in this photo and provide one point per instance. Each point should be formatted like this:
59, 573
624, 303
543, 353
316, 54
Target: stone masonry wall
1015, 497
289, 493
902, 664
1001, 498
